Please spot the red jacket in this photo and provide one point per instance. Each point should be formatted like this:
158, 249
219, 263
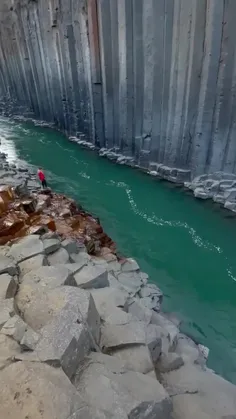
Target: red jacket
41, 175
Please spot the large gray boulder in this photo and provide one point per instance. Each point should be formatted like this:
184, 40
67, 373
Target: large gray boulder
136, 358
26, 248
92, 277
8, 286
125, 394
50, 277
39, 305
38, 391
118, 336
7, 265
61, 256
32, 264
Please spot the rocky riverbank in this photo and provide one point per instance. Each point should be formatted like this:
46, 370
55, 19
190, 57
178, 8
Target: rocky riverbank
82, 334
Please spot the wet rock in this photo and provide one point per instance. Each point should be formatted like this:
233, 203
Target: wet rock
92, 277
26, 248
61, 256
32, 264
51, 245
7, 265
123, 394
9, 348
38, 391
50, 277
8, 286
15, 328
118, 336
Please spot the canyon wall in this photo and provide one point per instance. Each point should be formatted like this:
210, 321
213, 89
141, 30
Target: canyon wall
154, 78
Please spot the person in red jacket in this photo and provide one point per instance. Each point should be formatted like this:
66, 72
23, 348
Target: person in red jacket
42, 178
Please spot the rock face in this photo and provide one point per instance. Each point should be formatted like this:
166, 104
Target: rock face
87, 340
79, 79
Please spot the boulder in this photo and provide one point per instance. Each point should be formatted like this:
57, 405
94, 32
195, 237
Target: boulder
167, 325
150, 290
71, 246
131, 281
230, 206
73, 267
114, 266
29, 339
200, 193
32, 264
92, 277
51, 245
39, 391
6, 311
158, 340
187, 349
199, 393
130, 265
61, 256
118, 336
9, 348
82, 258
15, 328
113, 296
39, 306
136, 358
169, 362
152, 303
26, 248
7, 265
124, 394
139, 311
64, 342
50, 277
8, 286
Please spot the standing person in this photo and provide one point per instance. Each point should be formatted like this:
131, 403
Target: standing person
42, 178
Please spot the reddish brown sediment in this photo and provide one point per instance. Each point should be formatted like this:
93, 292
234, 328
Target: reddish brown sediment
48, 210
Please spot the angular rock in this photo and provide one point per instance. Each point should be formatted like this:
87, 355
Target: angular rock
116, 297
74, 267
6, 311
152, 303
200, 193
9, 348
136, 358
32, 264
92, 277
187, 349
7, 266
230, 206
61, 256
169, 362
82, 257
29, 339
64, 342
70, 246
51, 245
123, 394
15, 328
8, 286
130, 265
114, 266
50, 276
131, 281
118, 336
173, 331
39, 306
139, 311
158, 340
149, 290
26, 248
37, 391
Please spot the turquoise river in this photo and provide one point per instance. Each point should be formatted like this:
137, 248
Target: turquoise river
186, 246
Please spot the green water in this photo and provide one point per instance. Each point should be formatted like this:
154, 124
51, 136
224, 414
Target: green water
186, 246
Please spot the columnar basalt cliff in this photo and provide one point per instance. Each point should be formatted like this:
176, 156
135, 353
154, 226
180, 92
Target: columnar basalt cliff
154, 79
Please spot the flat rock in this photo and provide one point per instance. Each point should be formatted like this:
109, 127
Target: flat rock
61, 256
64, 342
136, 358
130, 265
8, 286
71, 246
92, 277
126, 395
32, 264
118, 336
37, 391
39, 306
7, 266
26, 248
50, 277
9, 348
15, 328
51, 245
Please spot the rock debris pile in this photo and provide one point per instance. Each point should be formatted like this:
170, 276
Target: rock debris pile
82, 335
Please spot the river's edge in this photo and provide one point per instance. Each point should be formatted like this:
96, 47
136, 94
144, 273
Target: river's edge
96, 321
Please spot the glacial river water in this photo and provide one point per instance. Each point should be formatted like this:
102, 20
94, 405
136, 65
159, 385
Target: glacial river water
187, 247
